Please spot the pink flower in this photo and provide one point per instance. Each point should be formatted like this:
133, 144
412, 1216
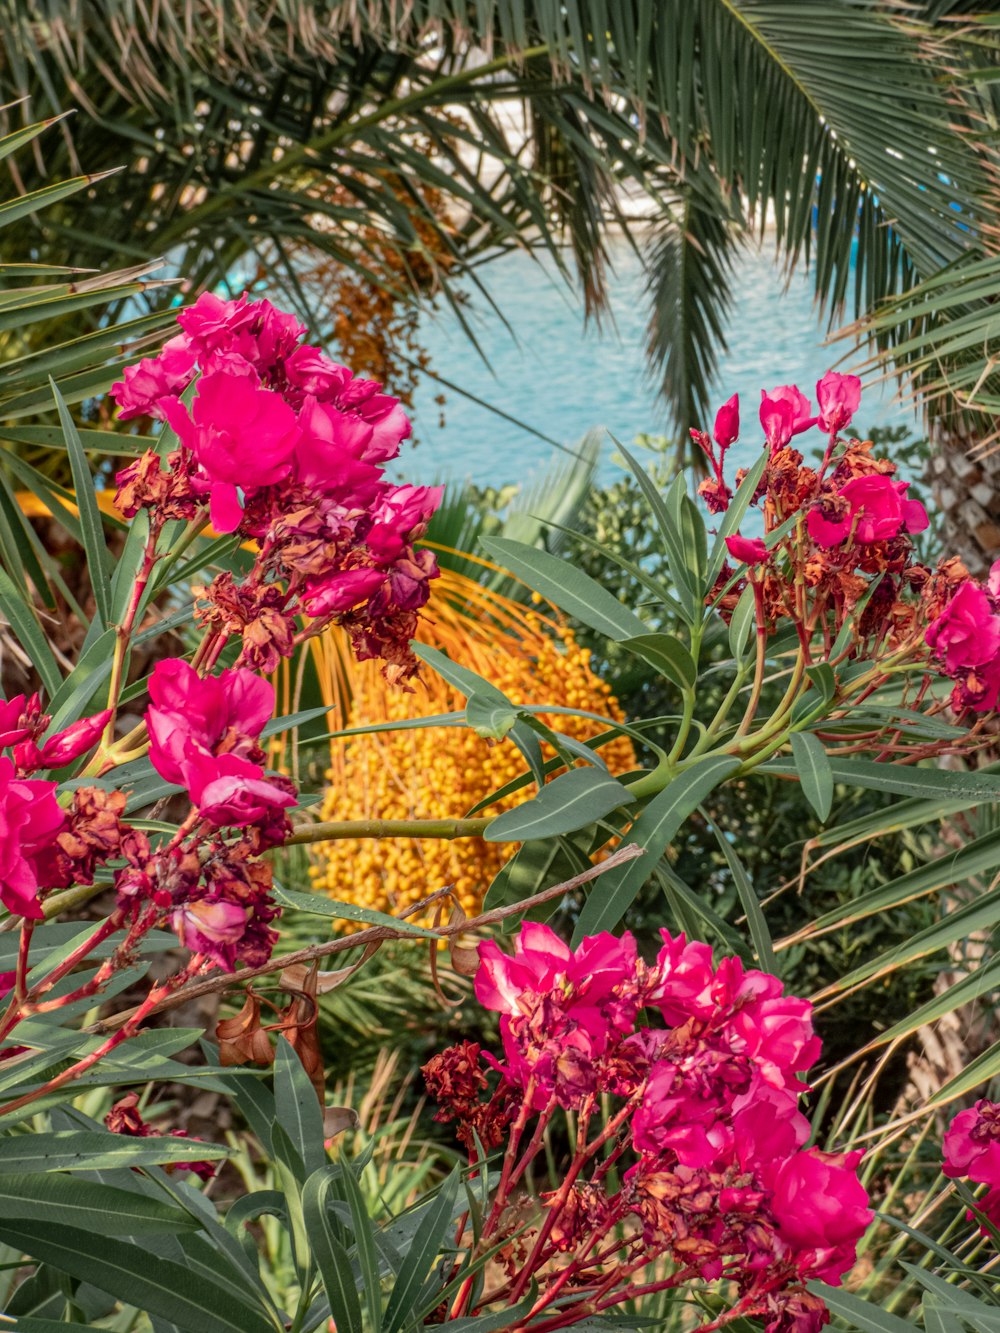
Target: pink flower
777, 1034
966, 633
64, 746
876, 510
784, 412
839, 397
331, 454
144, 386
212, 323
751, 550
313, 373
767, 1123
211, 928
340, 592
242, 436
819, 1205
972, 1144
727, 423
683, 979
30, 819
540, 958
17, 716
231, 792
189, 711
399, 517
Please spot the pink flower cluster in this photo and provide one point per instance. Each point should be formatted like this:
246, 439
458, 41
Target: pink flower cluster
288, 449
965, 640
213, 890
972, 1152
708, 1090
30, 817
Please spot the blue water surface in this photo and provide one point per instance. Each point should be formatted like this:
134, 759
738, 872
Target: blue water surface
552, 375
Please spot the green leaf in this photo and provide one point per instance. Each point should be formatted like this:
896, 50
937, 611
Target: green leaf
667, 655
297, 1107
973, 788
567, 587
331, 1258
22, 621
365, 1241
742, 623
319, 905
107, 1211
814, 771
570, 802
759, 933
95, 548
654, 830
139, 1277
668, 522
423, 1250
489, 718
80, 1150
861, 1315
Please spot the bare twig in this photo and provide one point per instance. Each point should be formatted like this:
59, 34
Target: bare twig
376, 935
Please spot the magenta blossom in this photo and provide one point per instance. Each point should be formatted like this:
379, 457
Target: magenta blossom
972, 1144
967, 632
820, 1206
340, 592
145, 386
242, 436
784, 412
777, 1032
232, 792
685, 975
211, 928
190, 712
64, 746
30, 819
17, 718
400, 517
750, 550
839, 397
873, 507
727, 423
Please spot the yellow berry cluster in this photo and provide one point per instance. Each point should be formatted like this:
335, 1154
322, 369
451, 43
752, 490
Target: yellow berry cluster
442, 772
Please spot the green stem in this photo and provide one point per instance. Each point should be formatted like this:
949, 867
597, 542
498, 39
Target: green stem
338, 830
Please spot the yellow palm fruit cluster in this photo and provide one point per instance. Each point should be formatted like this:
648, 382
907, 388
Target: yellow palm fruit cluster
442, 772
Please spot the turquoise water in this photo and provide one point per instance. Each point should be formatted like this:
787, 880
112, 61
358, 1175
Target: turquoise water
563, 381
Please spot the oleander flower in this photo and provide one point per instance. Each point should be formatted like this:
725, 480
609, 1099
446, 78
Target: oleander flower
228, 791
873, 508
242, 435
967, 632
145, 387
784, 412
972, 1144
750, 550
30, 819
820, 1208
839, 397
727, 423
203, 715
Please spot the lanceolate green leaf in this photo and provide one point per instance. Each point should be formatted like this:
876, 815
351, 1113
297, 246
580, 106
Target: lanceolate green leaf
567, 587
297, 1106
331, 1257
319, 905
94, 545
759, 933
860, 1314
139, 1277
424, 1249
107, 1211
610, 898
22, 621
814, 771
667, 655
81, 1150
972, 788
569, 802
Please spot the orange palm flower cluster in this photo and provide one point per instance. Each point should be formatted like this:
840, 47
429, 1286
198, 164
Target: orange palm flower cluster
443, 772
